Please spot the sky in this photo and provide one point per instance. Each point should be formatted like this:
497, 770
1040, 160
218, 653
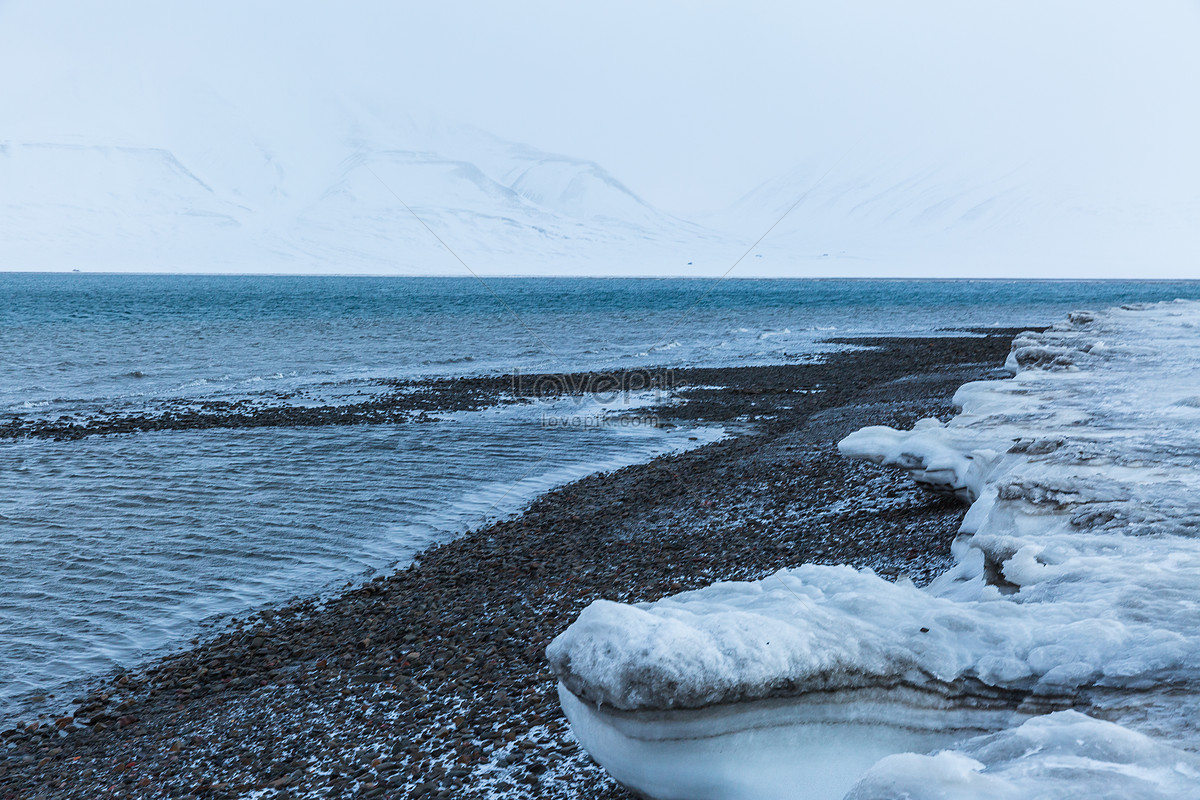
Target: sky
690, 104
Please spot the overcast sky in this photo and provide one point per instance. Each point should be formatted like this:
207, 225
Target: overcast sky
690, 104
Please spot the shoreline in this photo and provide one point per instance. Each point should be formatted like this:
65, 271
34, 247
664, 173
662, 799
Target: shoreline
431, 682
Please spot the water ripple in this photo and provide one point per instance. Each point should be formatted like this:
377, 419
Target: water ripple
115, 547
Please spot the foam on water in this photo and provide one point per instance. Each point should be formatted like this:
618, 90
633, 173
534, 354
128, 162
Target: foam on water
1075, 588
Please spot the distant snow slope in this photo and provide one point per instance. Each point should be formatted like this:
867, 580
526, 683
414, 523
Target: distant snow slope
974, 215
333, 201
301, 175
67, 205
511, 209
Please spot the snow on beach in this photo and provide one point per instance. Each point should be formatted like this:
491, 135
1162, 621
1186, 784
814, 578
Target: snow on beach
1066, 636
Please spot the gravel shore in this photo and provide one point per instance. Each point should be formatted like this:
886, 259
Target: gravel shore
432, 682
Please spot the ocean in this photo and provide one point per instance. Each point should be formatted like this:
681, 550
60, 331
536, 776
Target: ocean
115, 548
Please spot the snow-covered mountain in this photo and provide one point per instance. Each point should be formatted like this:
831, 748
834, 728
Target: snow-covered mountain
508, 208
980, 215
512, 209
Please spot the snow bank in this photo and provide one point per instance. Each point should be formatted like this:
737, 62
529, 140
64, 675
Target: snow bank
1075, 584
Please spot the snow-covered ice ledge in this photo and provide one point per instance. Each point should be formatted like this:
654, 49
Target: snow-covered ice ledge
1076, 586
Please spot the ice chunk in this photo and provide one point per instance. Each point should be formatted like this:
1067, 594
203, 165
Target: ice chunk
761, 750
822, 628
930, 452
1060, 755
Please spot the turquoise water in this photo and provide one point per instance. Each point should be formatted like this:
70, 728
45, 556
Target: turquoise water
78, 339
114, 548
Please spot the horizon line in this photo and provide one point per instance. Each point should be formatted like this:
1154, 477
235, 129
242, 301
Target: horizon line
560, 276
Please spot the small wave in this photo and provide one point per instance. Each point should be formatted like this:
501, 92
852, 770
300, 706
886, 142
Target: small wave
205, 381
773, 334
459, 360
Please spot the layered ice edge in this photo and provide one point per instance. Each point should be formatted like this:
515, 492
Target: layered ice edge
1066, 638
